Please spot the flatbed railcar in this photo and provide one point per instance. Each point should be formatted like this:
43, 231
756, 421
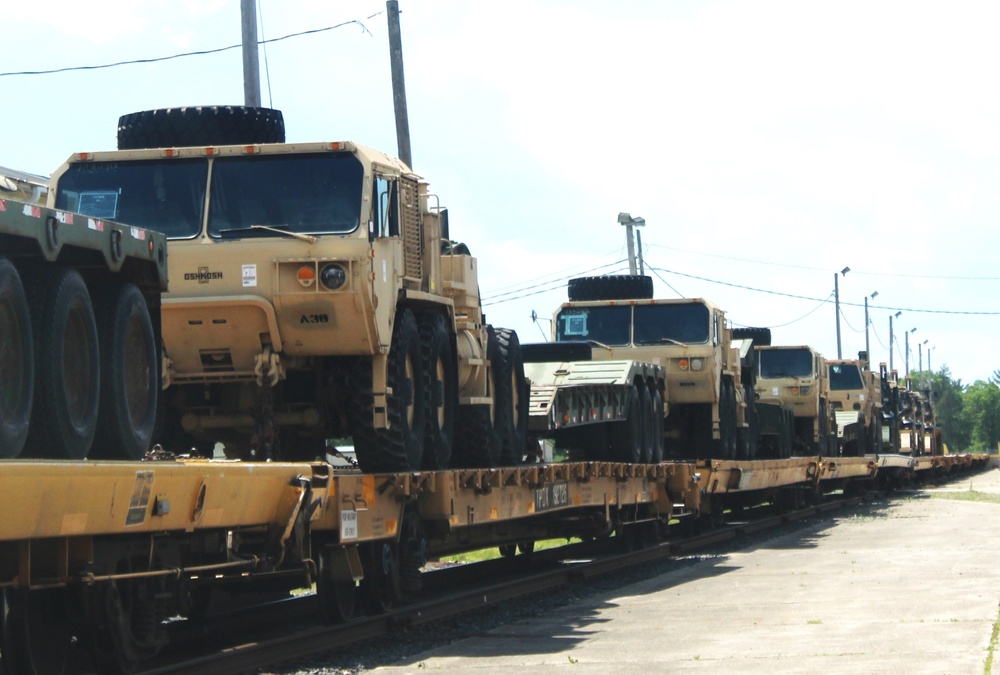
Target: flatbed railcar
101, 553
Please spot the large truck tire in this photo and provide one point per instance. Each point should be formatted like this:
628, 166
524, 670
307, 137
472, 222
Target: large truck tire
610, 287
627, 435
658, 416
516, 397
438, 355
479, 429
67, 366
17, 367
201, 125
130, 380
399, 447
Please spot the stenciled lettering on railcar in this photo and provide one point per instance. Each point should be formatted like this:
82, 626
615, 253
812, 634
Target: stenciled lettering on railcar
348, 525
552, 496
141, 493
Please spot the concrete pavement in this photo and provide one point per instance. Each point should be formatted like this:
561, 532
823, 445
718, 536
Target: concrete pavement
910, 585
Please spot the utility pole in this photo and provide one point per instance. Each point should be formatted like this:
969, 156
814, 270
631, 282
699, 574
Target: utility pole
398, 83
836, 308
890, 344
638, 241
251, 65
907, 353
868, 349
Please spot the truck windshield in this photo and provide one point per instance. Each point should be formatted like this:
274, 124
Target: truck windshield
607, 325
785, 363
844, 376
167, 197
686, 323
309, 193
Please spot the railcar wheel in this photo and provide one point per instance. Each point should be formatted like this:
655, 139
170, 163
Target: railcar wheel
67, 366
17, 367
37, 634
381, 585
507, 550
125, 626
129, 373
442, 392
338, 597
526, 547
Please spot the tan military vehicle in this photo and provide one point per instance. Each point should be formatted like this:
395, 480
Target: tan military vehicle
705, 394
855, 395
796, 376
315, 294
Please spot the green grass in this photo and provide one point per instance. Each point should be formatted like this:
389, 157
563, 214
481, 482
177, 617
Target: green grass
969, 496
493, 552
988, 668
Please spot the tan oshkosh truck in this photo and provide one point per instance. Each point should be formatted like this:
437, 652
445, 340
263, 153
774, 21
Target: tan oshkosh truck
710, 408
796, 376
855, 395
315, 294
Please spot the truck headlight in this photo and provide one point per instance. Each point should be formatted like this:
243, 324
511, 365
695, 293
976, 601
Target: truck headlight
333, 276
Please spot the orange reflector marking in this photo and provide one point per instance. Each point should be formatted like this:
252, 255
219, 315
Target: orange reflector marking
209, 151
336, 146
306, 275
84, 156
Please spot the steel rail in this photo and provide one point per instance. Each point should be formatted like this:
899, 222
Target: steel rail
240, 658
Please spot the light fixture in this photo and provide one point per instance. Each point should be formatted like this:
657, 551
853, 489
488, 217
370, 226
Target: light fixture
844, 271
874, 295
898, 314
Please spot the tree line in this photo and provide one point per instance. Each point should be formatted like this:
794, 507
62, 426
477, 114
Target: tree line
968, 415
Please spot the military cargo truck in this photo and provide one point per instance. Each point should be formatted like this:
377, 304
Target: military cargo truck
79, 325
705, 397
855, 396
797, 377
316, 295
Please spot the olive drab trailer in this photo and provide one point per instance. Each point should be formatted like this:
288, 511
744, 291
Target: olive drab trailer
79, 326
710, 408
315, 294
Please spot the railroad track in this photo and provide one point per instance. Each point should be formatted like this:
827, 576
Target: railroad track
549, 569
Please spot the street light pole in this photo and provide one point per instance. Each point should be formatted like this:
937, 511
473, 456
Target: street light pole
836, 305
629, 222
868, 349
912, 330
892, 343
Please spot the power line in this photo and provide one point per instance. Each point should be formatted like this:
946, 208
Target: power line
789, 323
519, 285
851, 304
823, 269
544, 288
202, 52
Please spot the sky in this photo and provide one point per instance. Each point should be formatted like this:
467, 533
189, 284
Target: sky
767, 144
